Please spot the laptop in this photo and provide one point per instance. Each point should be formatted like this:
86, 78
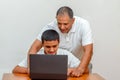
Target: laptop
48, 67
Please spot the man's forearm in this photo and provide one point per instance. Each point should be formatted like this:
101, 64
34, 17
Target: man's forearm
37, 44
34, 49
31, 51
88, 51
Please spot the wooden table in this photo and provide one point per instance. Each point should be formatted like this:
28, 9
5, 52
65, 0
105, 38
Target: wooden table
11, 76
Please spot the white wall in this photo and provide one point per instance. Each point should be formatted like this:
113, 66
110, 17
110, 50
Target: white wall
21, 20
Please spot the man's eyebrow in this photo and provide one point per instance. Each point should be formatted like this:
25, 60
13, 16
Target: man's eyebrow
47, 46
54, 45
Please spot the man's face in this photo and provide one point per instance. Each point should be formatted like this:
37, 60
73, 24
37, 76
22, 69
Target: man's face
50, 47
64, 23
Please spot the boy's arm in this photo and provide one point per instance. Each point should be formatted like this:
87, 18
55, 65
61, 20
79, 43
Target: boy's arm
21, 70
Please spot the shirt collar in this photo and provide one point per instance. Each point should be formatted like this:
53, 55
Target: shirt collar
73, 27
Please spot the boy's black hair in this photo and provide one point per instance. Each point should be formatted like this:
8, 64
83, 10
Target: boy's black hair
50, 35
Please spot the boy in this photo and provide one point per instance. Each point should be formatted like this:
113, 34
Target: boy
50, 43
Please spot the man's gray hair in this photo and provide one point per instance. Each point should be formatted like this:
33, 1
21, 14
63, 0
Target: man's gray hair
63, 10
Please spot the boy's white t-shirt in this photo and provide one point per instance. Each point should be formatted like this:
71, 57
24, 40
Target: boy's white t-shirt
72, 60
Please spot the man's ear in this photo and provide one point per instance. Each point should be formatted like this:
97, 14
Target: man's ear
73, 19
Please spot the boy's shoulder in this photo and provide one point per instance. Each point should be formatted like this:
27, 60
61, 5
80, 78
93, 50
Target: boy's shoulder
62, 52
41, 51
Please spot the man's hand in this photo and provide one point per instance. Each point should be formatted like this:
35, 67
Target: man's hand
76, 72
70, 70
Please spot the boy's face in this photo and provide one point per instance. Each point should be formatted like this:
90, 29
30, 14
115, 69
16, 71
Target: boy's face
50, 47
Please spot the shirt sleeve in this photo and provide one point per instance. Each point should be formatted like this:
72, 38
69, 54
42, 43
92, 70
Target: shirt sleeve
72, 60
41, 31
23, 63
51, 25
86, 33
